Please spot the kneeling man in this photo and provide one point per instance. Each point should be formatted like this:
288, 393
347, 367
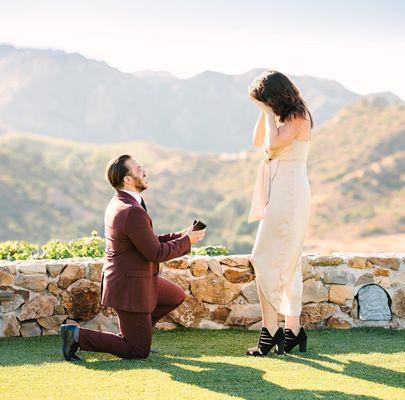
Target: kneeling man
130, 283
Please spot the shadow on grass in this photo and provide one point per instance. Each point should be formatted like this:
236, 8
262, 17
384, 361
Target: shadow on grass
230, 379
177, 347
353, 369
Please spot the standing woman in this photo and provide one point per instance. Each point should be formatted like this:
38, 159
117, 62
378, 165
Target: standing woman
281, 201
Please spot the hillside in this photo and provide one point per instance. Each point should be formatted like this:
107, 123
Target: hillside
52, 188
68, 96
358, 166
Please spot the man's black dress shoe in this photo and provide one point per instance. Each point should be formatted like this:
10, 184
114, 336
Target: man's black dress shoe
69, 345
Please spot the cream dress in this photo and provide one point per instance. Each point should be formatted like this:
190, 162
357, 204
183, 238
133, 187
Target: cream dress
281, 201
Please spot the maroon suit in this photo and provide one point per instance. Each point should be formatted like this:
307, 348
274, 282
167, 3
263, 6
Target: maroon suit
130, 281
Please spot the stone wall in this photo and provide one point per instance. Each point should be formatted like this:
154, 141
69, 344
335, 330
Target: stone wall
37, 296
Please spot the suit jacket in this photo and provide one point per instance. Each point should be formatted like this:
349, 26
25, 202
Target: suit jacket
133, 253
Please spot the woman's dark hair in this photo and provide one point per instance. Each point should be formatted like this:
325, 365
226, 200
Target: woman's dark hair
276, 90
116, 170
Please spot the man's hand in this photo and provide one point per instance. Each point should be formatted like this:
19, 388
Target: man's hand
195, 236
184, 231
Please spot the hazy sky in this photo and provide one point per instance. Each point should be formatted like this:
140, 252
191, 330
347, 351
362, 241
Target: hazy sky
359, 43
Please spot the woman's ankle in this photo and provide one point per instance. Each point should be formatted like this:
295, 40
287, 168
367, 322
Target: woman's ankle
272, 329
295, 330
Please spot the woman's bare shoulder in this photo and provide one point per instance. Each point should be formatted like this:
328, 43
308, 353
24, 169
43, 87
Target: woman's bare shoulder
297, 121
298, 126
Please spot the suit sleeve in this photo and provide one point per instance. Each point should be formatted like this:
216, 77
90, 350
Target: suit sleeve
167, 237
171, 236
140, 232
187, 251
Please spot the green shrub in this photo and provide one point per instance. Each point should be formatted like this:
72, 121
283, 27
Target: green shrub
88, 246
210, 251
17, 250
55, 249
370, 231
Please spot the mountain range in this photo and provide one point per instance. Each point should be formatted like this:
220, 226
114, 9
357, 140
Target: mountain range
53, 93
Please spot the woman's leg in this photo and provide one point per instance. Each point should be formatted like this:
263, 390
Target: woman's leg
271, 334
293, 323
269, 313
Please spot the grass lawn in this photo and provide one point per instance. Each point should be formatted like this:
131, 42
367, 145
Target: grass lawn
363, 363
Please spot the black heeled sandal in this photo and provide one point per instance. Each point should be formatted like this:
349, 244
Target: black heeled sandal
291, 340
267, 342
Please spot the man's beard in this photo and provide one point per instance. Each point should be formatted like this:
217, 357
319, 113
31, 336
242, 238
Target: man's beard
139, 184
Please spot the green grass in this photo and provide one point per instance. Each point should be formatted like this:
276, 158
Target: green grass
366, 363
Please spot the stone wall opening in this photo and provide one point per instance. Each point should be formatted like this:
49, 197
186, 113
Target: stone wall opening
374, 303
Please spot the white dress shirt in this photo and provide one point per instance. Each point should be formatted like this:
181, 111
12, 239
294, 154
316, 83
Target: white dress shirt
136, 195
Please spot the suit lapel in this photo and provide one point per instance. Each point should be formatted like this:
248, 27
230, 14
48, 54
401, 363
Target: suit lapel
128, 199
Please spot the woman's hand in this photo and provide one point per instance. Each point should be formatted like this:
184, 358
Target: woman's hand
262, 106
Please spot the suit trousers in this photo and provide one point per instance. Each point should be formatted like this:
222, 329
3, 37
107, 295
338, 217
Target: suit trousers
135, 337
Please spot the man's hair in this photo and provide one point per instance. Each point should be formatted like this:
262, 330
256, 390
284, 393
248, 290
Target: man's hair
116, 170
